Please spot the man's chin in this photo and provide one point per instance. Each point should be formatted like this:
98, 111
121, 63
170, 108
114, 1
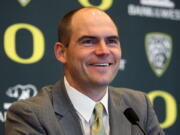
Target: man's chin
102, 82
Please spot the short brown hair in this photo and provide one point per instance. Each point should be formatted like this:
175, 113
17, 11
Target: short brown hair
64, 28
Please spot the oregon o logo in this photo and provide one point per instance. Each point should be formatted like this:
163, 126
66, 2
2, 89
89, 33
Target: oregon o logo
10, 43
105, 4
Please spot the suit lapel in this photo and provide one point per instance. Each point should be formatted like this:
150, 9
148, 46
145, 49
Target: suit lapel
68, 118
69, 121
119, 125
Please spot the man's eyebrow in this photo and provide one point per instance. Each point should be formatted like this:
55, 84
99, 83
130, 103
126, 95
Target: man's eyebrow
113, 37
94, 37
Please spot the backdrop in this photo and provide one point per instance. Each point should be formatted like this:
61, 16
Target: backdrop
149, 34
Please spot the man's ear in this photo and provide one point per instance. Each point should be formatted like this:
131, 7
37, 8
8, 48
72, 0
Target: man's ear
60, 52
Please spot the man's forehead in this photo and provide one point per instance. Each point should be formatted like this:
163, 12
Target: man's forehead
91, 17
89, 14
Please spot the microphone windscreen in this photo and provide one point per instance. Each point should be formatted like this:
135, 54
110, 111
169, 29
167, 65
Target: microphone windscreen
131, 115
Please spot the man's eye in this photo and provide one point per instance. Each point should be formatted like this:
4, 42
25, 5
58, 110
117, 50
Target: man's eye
87, 42
112, 41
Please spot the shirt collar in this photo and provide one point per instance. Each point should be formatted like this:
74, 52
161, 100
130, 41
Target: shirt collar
82, 103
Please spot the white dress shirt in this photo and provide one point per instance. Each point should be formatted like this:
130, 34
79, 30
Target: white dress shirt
85, 106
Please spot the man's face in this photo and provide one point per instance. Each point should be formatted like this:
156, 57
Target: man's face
93, 55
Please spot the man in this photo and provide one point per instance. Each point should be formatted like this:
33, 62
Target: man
83, 103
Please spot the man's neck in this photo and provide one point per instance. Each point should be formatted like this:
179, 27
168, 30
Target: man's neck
95, 93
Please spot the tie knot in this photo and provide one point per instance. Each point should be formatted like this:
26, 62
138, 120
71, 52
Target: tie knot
99, 109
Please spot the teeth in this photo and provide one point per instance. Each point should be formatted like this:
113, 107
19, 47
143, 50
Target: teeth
103, 64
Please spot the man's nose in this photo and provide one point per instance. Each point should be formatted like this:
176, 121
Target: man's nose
102, 48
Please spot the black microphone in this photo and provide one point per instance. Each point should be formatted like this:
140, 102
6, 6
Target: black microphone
133, 118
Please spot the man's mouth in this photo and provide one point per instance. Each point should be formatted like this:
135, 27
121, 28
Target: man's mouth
101, 64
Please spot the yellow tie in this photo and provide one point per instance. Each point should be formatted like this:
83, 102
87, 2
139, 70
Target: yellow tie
97, 127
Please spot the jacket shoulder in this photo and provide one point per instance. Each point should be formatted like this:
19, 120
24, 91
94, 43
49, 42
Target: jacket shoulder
127, 93
37, 105
43, 97
130, 98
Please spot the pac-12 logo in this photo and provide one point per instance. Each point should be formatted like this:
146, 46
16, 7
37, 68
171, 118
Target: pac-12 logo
158, 48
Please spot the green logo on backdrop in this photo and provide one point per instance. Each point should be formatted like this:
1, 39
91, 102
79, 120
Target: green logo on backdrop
158, 48
24, 2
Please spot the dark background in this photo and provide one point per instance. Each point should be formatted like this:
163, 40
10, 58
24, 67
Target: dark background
137, 74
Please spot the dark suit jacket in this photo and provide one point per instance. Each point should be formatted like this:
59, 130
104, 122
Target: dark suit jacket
52, 113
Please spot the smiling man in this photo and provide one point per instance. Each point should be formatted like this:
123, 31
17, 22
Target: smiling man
91, 58
83, 103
